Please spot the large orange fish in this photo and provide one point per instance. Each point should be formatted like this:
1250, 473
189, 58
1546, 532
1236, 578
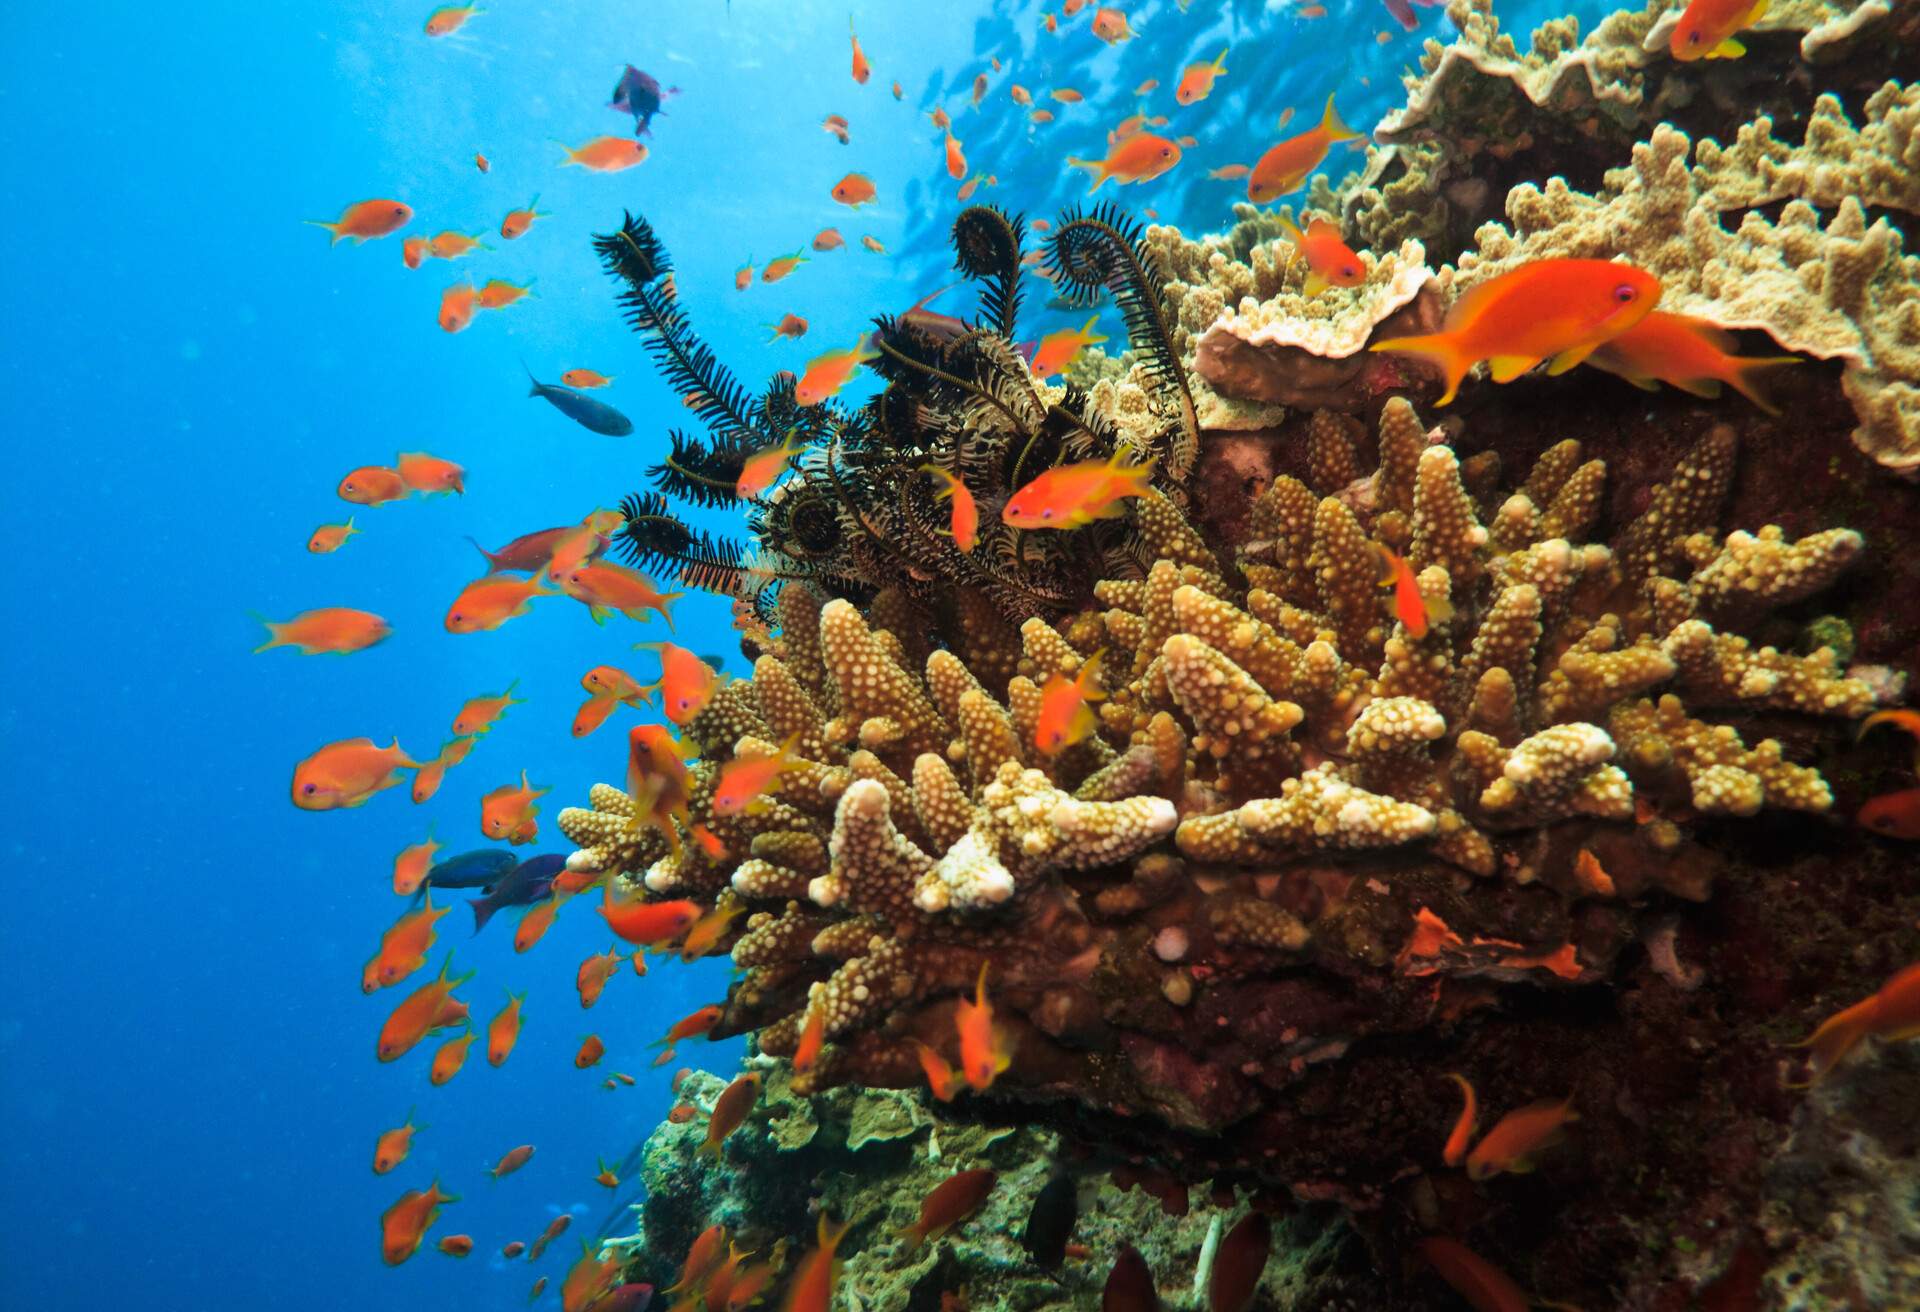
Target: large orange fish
403, 948
1072, 495
515, 225
648, 922
984, 1047
1284, 167
1066, 714
1512, 1142
854, 190
1558, 310
487, 603
365, 220
503, 1031
606, 586
812, 1286
591, 1051
791, 326
1706, 29
1196, 82
657, 781
948, 1204
431, 1006
509, 812
828, 239
686, 682
743, 785
449, 1058
729, 1111
1690, 354
780, 266
480, 713
1140, 158
329, 538
956, 158
331, 630
404, 1225
692, 1026
1110, 25
965, 523
373, 485
392, 1147
411, 864
415, 251
1330, 261
606, 154
347, 773
1892, 1014
1059, 349
706, 1252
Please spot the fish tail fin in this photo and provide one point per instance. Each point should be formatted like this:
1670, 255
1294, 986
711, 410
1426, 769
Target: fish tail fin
1089, 677
1837, 1036
1220, 61
1332, 124
1441, 349
1743, 381
332, 228
1086, 330
274, 638
1290, 229
482, 913
405, 762
1096, 167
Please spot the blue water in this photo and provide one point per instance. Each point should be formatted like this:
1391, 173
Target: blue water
187, 1079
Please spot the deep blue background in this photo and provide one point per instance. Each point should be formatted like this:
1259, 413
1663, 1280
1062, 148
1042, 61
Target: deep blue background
187, 1083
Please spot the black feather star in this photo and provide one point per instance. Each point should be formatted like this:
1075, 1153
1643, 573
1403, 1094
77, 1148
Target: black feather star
986, 248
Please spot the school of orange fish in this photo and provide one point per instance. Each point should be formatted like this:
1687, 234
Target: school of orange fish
1606, 317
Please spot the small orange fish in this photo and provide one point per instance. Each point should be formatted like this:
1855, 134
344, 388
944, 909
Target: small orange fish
366, 220
1072, 495
777, 269
813, 1035
1051, 24
392, 1147
449, 1057
942, 1079
591, 1051
1320, 11
1475, 1279
1511, 1143
555, 1228
1228, 171
508, 812
708, 931
410, 867
956, 158
1502, 320
708, 1249
403, 947
503, 1031
710, 842
373, 485
648, 922
431, 1006
1140, 158
404, 1225
428, 778
329, 538
498, 293
1285, 166
948, 1204
835, 126
693, 1025
331, 631
1196, 81
814, 1279
429, 474
585, 378
742, 279
1066, 95
457, 304
1186, 142
827, 374
979, 89
480, 713
657, 780
1066, 716
606, 154
448, 19
591, 979
513, 1250
415, 251
965, 525
515, 225
984, 1047
729, 1111
872, 243
854, 190
1059, 349
743, 785
1040, 116
574, 882
539, 1288
451, 245
579, 544
791, 327
1130, 126
348, 772
1330, 261
607, 688
1153, 83
482, 163
828, 239
609, 586
1020, 95
1706, 29
606, 1178
1892, 1014
535, 921
1690, 354
487, 603
1110, 25
457, 1245
513, 1160
862, 70
1463, 1128
898, 94
763, 468
1415, 611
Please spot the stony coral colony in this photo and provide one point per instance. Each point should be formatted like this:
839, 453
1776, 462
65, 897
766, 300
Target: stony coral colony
1313, 821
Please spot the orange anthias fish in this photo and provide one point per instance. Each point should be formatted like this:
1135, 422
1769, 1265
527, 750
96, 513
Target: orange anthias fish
1059, 349
498, 293
742, 279
451, 245
791, 326
813, 1036
392, 1147
580, 543
711, 843
1020, 95
480, 713
1072, 495
1040, 116
763, 468
709, 1247
1510, 1144
965, 525
515, 225
827, 374
692, 1025
812, 1287
1690, 354
729, 1111
331, 631
776, 269
854, 190
513, 1160
426, 473
1480, 1282
365, 220
1229, 171
1239, 1263
503, 1031
1706, 29
1284, 167
508, 812
828, 239
979, 90
457, 1245
1140, 158
1413, 608
555, 1228
347, 773
431, 1006
862, 70
585, 379
948, 1204
648, 922
594, 972
942, 1079
1892, 1014
1549, 309
706, 932
489, 602
606, 154
457, 304
373, 485
1196, 82
657, 781
591, 1051
1066, 716
428, 778
749, 1285
835, 125
984, 1047
403, 948
536, 920
614, 587
872, 243
411, 865
414, 251
1110, 25
1462, 1133
743, 785
1066, 95
404, 1225
329, 538
449, 1057
956, 158
607, 687
606, 1178
1330, 261
448, 19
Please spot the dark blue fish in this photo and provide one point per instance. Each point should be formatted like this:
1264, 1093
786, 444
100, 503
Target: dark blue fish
595, 416
1050, 1224
530, 882
476, 869
639, 95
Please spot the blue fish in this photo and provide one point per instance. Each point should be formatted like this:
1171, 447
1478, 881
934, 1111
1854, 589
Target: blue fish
640, 95
594, 416
530, 882
477, 869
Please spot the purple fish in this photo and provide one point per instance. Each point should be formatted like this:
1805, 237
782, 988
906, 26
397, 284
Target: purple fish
1403, 10
531, 881
627, 1298
639, 95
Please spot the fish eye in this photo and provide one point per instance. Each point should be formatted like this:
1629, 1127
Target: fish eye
309, 789
1351, 270
1626, 293
1693, 38
1047, 513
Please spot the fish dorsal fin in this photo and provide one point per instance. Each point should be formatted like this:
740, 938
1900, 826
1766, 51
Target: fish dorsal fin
1506, 368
